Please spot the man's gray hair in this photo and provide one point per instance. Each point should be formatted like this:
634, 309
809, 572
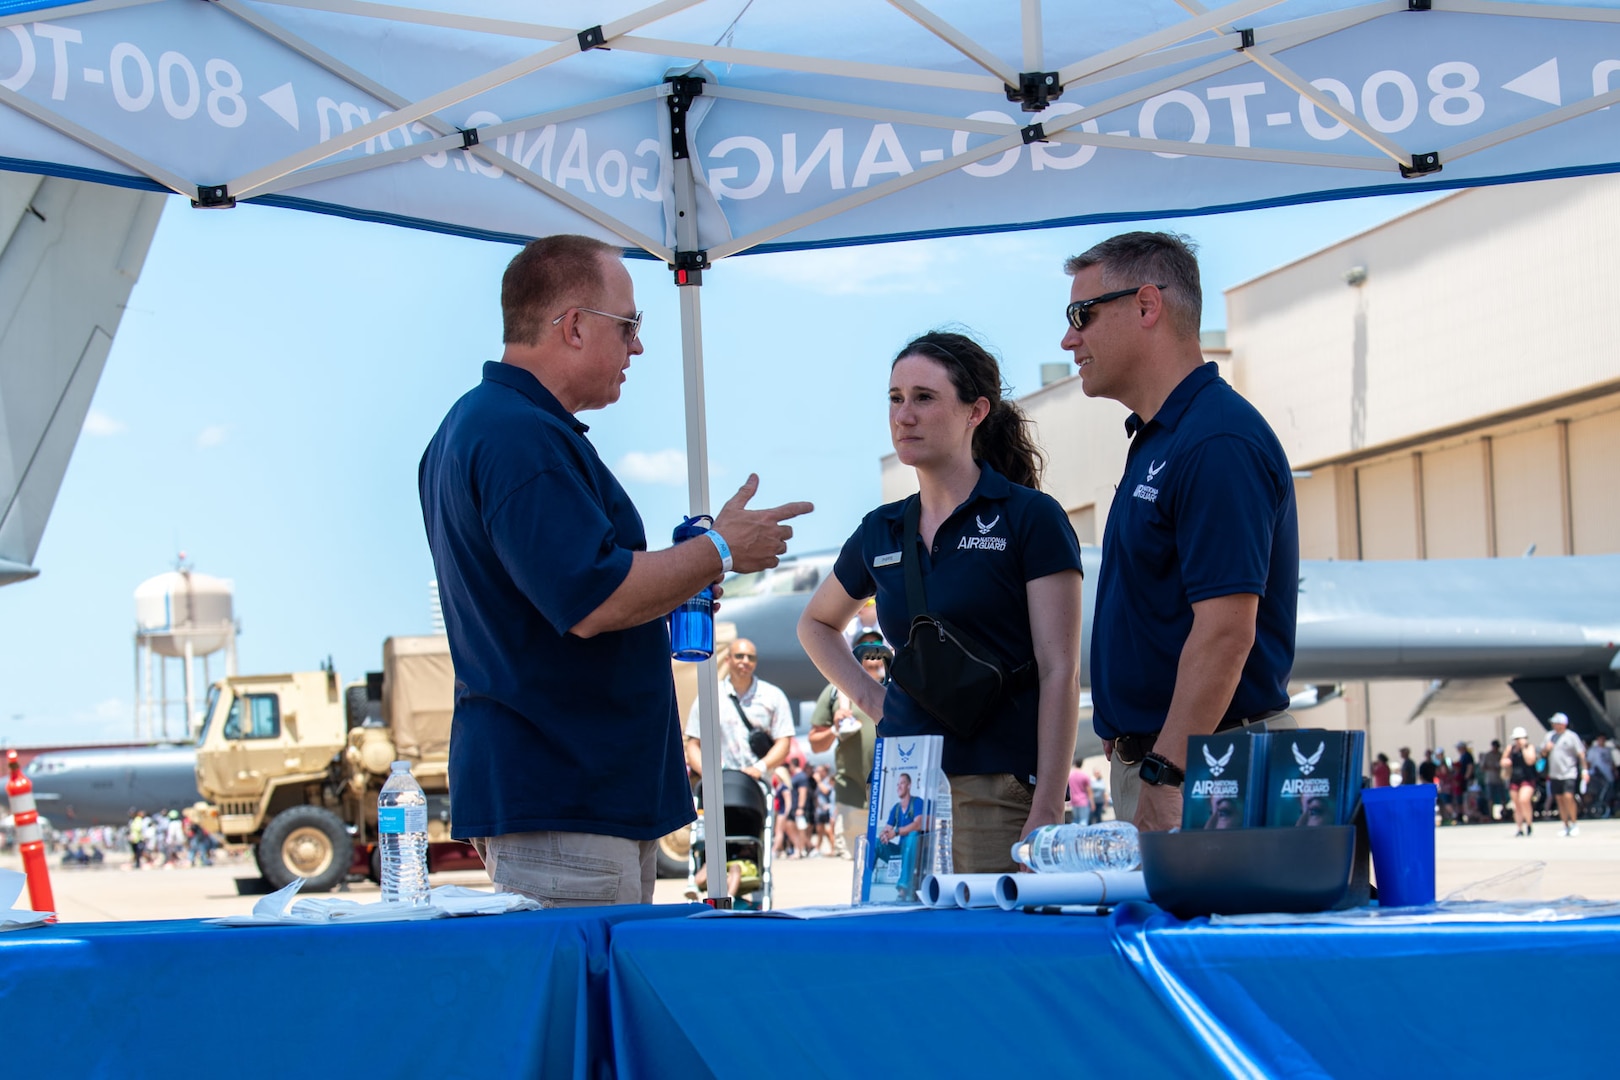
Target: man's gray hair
1144, 258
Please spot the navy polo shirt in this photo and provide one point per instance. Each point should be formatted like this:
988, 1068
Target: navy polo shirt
1206, 509
530, 532
1003, 537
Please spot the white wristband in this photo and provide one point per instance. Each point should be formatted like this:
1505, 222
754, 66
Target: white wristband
720, 546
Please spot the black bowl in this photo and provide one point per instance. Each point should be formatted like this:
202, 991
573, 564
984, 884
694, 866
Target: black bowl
1245, 871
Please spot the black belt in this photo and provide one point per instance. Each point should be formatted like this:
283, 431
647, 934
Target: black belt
1132, 747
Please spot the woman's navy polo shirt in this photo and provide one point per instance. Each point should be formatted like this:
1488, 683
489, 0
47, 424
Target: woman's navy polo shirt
530, 532
1003, 537
1205, 509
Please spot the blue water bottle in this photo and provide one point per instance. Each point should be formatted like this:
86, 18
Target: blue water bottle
691, 626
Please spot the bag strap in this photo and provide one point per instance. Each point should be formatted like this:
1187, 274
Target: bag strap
916, 595
746, 722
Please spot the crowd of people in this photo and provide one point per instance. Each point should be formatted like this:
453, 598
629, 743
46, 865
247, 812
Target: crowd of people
167, 839
1565, 776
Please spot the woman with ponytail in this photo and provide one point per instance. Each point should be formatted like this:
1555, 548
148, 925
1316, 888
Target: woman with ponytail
1000, 561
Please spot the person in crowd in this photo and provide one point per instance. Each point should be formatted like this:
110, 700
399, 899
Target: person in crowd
804, 807
1409, 771
1465, 785
1101, 801
838, 719
1080, 795
137, 838
864, 622
1518, 771
1601, 763
1190, 636
995, 555
1380, 771
1429, 769
825, 842
1443, 788
1492, 791
1566, 770
565, 752
747, 704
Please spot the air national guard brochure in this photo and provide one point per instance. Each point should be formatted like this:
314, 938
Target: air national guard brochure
1225, 786
1283, 779
1313, 777
908, 793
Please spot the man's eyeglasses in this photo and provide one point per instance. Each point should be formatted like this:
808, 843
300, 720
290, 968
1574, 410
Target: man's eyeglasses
1079, 312
630, 334
743, 656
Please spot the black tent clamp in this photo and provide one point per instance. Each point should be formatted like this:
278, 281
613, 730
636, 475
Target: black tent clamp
1422, 165
213, 197
591, 39
1036, 90
689, 266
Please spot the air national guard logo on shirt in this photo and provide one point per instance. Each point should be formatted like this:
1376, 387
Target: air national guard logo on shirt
984, 541
1147, 490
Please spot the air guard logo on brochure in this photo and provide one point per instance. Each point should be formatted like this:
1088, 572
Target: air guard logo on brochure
984, 541
1219, 785
1143, 491
905, 750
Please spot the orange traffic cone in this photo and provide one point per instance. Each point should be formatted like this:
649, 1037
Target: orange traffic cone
30, 838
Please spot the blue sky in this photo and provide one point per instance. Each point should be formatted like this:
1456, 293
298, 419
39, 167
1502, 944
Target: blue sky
277, 375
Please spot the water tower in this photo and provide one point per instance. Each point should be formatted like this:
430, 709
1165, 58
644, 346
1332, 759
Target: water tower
180, 615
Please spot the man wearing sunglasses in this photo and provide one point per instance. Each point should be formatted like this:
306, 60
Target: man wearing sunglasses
565, 755
1194, 625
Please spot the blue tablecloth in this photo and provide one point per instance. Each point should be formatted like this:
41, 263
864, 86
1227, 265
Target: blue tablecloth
941, 993
487, 996
1136, 993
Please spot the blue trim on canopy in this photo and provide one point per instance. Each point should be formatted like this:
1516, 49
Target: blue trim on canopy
18, 7
142, 183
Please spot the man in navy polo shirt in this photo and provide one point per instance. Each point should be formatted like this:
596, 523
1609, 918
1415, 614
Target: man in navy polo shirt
1194, 625
565, 755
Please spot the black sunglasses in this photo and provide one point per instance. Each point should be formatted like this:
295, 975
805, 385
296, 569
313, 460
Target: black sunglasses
1079, 312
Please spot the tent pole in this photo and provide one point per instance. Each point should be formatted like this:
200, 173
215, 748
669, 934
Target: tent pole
697, 476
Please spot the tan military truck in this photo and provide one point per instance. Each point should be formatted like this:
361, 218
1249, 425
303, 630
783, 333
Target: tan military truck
294, 762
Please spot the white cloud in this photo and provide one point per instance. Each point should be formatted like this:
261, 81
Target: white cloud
100, 424
212, 435
654, 467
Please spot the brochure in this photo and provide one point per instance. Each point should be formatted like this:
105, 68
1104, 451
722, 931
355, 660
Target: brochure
1225, 786
908, 787
1306, 777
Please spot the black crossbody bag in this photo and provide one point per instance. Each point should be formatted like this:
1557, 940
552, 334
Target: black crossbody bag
943, 667
759, 740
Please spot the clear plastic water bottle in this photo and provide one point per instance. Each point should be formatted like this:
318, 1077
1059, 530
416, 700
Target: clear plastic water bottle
691, 626
402, 837
1112, 845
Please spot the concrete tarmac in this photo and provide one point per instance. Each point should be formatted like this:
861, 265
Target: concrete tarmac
1585, 865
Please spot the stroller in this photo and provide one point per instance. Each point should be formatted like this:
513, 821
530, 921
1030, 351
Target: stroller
750, 830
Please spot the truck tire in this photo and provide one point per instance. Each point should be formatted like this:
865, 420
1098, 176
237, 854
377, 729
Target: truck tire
308, 842
673, 851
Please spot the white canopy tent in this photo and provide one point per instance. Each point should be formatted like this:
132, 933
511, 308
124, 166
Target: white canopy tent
694, 130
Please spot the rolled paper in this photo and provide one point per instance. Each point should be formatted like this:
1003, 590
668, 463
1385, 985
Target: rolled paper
935, 893
950, 890
976, 890
1014, 891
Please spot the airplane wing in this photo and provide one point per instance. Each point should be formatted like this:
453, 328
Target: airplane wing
70, 253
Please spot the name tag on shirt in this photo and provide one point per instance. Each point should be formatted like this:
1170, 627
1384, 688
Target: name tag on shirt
886, 560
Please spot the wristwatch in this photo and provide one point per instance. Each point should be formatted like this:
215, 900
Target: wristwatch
1157, 770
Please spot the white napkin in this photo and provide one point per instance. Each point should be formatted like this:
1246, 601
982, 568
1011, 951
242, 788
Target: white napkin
12, 917
278, 909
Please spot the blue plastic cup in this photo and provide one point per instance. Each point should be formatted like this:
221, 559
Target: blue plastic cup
1400, 825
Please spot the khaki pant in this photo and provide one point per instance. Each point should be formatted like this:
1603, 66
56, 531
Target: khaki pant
565, 869
852, 823
988, 813
1125, 781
